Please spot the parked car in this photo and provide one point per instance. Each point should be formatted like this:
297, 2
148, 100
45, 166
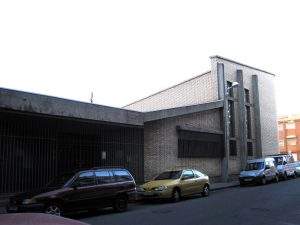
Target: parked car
259, 171
297, 169
176, 184
88, 189
285, 165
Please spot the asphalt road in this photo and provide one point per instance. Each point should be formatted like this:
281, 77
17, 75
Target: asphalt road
272, 204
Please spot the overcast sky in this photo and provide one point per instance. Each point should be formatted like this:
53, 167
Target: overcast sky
126, 50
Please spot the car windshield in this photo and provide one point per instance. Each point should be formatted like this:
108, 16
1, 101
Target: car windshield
60, 180
169, 175
278, 160
255, 166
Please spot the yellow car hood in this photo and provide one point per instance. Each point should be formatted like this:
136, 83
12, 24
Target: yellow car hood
156, 183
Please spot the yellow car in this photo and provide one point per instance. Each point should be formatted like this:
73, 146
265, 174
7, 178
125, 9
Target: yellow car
176, 184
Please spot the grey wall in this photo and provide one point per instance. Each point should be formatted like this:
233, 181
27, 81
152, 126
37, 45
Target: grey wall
161, 144
269, 134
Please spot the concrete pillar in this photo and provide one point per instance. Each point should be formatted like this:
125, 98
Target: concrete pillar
257, 123
222, 95
242, 118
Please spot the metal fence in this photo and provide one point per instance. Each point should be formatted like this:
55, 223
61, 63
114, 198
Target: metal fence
35, 148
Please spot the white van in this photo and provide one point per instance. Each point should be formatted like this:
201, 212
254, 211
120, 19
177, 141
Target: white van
259, 171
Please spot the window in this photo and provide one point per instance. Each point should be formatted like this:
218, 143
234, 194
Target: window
103, 177
199, 149
194, 144
292, 141
250, 148
188, 174
290, 125
231, 118
198, 174
122, 175
85, 179
281, 143
248, 122
232, 148
247, 96
229, 89
169, 175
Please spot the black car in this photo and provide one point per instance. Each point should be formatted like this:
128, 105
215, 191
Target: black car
88, 189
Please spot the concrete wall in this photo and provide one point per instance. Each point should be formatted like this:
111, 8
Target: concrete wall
161, 144
268, 115
200, 89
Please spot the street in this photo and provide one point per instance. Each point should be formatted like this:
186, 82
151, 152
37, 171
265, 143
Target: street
276, 204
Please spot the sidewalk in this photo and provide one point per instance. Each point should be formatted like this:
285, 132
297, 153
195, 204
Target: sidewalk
219, 186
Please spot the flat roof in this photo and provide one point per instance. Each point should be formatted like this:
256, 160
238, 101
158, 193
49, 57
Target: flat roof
48, 105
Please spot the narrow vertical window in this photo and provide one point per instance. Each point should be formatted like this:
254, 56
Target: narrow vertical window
231, 118
250, 148
247, 96
248, 122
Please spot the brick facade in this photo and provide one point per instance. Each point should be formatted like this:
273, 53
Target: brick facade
289, 135
161, 144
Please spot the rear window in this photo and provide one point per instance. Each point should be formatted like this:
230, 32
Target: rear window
122, 175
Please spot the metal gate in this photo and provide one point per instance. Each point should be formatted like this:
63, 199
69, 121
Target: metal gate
35, 148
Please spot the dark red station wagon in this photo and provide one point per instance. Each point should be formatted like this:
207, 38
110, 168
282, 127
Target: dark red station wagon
70, 192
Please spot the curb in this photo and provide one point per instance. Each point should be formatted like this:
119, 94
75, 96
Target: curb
224, 187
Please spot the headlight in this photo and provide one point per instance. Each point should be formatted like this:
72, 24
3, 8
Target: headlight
160, 188
29, 201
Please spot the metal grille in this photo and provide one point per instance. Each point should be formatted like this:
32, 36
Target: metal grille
35, 148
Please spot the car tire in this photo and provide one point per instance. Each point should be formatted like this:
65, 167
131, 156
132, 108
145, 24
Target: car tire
205, 191
121, 203
285, 177
54, 209
294, 175
263, 181
176, 196
276, 179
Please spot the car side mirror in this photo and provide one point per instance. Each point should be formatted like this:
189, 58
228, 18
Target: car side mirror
75, 186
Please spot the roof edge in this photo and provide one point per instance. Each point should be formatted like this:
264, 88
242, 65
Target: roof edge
242, 64
166, 89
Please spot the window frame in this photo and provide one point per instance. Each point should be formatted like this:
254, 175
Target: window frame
74, 182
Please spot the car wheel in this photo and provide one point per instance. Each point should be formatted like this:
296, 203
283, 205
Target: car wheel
120, 204
54, 209
285, 176
205, 191
176, 195
294, 175
276, 179
263, 180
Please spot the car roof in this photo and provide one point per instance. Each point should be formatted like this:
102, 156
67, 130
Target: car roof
260, 160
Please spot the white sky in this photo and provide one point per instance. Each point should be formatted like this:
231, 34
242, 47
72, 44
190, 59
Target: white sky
126, 50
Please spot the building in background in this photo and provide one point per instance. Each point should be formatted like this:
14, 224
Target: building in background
289, 135
208, 123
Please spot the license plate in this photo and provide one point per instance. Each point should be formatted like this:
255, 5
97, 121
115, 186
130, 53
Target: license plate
248, 179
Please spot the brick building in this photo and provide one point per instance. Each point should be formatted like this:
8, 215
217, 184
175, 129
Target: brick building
289, 135
206, 123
